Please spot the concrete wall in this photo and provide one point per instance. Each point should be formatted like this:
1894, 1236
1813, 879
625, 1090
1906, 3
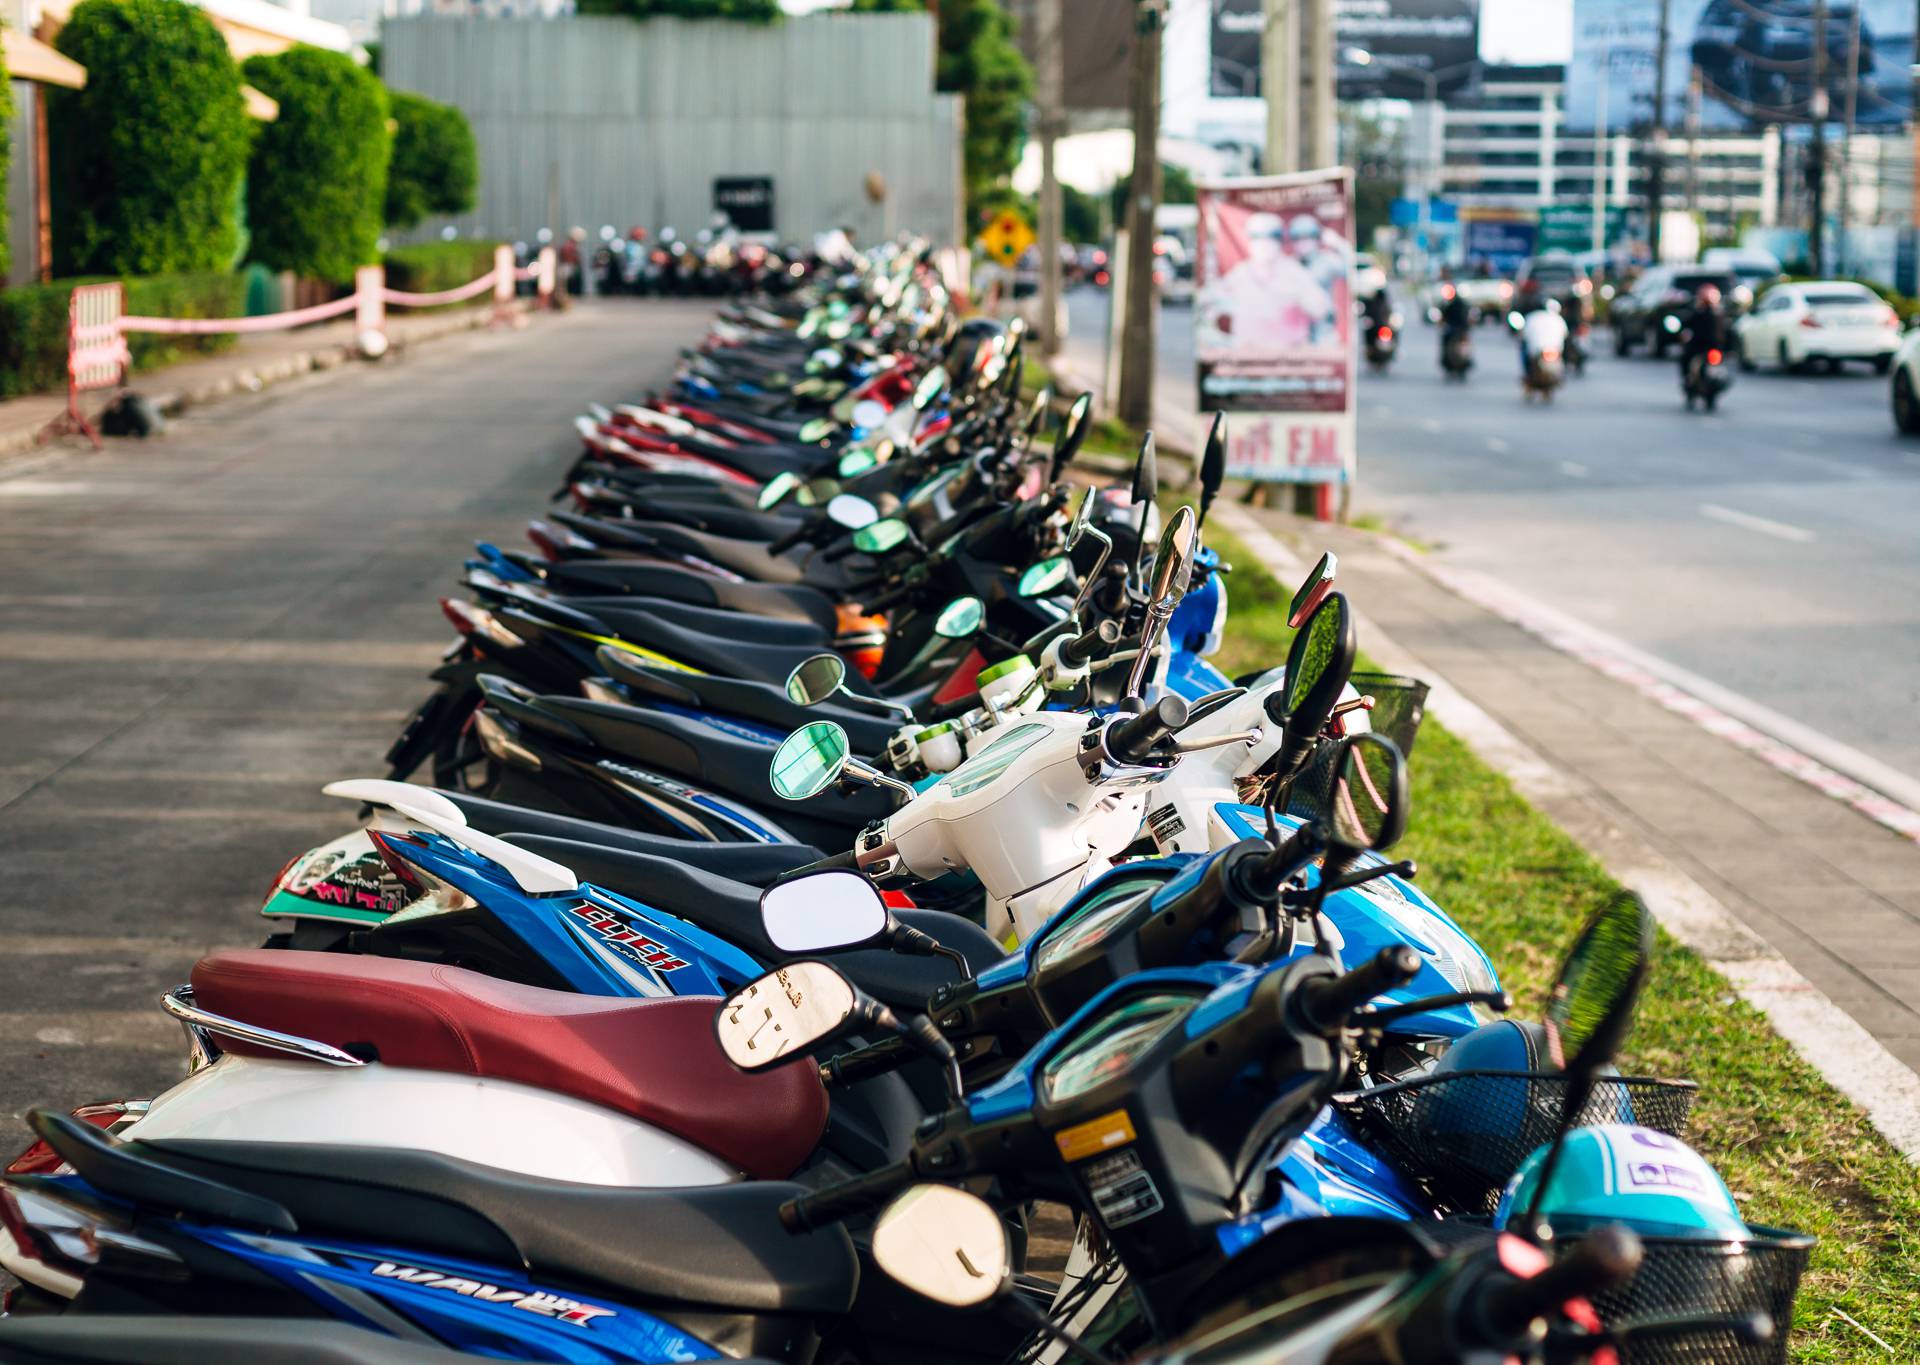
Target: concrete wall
592, 121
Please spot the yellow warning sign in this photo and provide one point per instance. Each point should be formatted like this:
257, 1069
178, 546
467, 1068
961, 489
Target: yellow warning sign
1007, 237
1095, 1136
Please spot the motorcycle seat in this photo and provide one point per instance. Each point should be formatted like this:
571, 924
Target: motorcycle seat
763, 703
655, 1060
662, 582
753, 864
626, 617
741, 653
749, 558
720, 1246
732, 911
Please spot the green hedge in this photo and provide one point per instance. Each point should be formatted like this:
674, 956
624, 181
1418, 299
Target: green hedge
317, 184
33, 325
433, 266
147, 159
435, 167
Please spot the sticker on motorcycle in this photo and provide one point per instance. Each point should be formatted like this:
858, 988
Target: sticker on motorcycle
1121, 1189
547, 1305
1165, 825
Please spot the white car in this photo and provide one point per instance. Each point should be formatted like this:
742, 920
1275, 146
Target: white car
1906, 385
1794, 325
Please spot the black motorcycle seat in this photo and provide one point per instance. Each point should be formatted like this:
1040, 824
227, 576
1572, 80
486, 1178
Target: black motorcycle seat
747, 523
708, 756
762, 703
753, 864
721, 1246
770, 601
732, 910
745, 557
741, 653
626, 617
747, 414
153, 1339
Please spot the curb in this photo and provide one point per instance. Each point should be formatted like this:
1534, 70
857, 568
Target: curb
1848, 1057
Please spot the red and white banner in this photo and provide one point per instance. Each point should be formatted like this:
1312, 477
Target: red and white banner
96, 351
1273, 323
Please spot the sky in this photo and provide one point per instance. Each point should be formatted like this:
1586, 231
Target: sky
1526, 30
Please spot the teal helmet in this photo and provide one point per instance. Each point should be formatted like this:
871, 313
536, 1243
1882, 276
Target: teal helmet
1620, 1173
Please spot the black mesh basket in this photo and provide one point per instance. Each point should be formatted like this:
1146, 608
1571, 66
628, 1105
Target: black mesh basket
1685, 1277
1399, 703
1462, 1135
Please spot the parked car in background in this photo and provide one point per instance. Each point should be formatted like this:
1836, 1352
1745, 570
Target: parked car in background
1488, 296
1650, 314
1752, 269
1831, 321
1095, 266
1556, 273
1906, 385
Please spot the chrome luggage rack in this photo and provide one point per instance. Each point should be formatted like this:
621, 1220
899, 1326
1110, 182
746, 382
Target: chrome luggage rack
203, 1027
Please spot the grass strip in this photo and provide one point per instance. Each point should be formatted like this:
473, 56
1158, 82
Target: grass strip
1794, 1151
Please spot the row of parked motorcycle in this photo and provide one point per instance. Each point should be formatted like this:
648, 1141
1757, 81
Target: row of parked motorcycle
844, 877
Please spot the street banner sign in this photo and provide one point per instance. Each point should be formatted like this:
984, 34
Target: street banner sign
1273, 323
1007, 237
747, 200
1499, 239
1416, 49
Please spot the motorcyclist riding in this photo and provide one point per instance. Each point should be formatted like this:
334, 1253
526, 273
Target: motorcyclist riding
1544, 330
1703, 330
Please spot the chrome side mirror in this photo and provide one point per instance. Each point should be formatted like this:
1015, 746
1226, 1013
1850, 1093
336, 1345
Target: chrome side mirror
1172, 564
815, 679
809, 760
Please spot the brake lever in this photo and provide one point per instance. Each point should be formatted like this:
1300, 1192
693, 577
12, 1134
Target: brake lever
1407, 870
1369, 1018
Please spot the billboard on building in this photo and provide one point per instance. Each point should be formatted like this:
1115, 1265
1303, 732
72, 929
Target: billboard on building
1739, 65
1499, 239
1440, 38
1273, 323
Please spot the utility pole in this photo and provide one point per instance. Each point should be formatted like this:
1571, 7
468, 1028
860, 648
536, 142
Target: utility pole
1846, 144
1143, 196
1047, 98
1657, 154
1817, 171
1280, 84
1321, 145
1600, 142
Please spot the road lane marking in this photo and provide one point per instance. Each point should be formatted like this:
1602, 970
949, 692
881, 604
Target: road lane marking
1837, 1045
1497, 446
43, 488
1763, 525
1573, 470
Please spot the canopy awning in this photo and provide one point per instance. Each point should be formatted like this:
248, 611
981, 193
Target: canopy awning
29, 59
263, 107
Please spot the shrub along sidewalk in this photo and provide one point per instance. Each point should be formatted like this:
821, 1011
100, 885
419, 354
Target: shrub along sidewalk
1794, 1151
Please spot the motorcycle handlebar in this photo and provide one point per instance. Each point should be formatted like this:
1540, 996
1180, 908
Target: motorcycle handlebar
847, 859
810, 1211
1325, 1002
1605, 1257
893, 597
833, 553
792, 538
1133, 741
1079, 651
947, 710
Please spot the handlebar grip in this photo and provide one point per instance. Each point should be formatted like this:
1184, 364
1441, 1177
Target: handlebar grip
1325, 1002
847, 859
1078, 652
1132, 741
893, 597
1605, 1257
865, 585
830, 1205
833, 554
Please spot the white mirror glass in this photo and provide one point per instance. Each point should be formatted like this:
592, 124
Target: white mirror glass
869, 413
785, 1011
838, 908
851, 511
944, 1244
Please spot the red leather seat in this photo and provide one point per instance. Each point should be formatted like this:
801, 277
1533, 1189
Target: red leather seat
653, 1059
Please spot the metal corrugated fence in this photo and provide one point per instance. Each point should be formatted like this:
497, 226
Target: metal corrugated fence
591, 121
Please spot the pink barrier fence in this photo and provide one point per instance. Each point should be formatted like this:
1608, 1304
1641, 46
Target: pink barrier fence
97, 328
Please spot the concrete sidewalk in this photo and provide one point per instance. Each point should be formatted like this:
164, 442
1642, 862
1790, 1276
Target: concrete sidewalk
259, 359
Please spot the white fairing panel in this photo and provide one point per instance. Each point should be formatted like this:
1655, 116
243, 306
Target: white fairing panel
503, 1124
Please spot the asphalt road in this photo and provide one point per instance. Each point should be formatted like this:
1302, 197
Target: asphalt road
196, 633
1772, 548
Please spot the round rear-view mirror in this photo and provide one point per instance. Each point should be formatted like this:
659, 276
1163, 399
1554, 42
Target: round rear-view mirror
880, 537
815, 429
1367, 808
856, 461
932, 384
809, 760
960, 618
851, 511
785, 1012
777, 489
869, 413
945, 1245
1049, 576
837, 908
1318, 665
1082, 518
815, 679
1173, 560
1592, 999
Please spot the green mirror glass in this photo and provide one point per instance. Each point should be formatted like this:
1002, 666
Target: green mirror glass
809, 760
815, 679
1047, 577
839, 329
1591, 1002
777, 489
824, 359
855, 462
1368, 809
960, 618
1315, 586
1319, 663
932, 384
881, 536
816, 429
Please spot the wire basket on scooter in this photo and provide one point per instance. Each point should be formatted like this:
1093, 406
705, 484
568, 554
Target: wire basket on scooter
1690, 1277
1399, 703
1464, 1134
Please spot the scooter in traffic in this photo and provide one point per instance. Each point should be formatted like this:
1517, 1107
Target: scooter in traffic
1705, 378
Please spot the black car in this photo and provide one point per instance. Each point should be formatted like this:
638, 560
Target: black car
1650, 313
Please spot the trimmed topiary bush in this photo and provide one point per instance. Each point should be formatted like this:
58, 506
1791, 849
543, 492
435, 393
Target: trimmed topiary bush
435, 167
317, 184
147, 160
